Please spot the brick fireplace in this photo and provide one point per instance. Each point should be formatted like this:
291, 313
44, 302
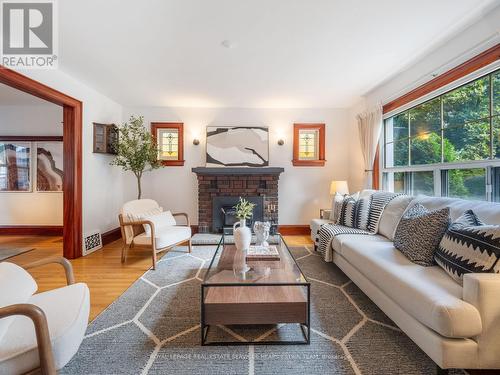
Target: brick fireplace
216, 183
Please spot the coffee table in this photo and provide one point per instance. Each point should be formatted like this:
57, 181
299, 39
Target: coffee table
258, 292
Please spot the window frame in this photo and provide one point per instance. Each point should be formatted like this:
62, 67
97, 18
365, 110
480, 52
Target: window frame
320, 162
179, 126
491, 164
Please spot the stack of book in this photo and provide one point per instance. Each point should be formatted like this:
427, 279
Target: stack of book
262, 253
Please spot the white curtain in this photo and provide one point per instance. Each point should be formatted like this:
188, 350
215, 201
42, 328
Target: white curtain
369, 126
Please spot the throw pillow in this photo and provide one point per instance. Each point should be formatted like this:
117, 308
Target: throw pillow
469, 246
354, 211
336, 207
161, 220
392, 214
419, 233
378, 201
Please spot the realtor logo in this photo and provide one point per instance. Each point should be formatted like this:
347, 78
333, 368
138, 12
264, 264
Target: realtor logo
28, 34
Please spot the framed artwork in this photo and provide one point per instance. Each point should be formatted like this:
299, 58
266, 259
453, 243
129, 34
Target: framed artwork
49, 166
309, 145
15, 166
238, 146
169, 137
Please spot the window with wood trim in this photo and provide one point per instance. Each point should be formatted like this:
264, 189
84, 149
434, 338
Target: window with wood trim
309, 145
447, 145
169, 137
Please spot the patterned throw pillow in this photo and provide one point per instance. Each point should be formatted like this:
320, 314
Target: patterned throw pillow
469, 246
354, 211
336, 207
379, 200
419, 233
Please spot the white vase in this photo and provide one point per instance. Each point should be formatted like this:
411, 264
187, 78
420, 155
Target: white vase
242, 235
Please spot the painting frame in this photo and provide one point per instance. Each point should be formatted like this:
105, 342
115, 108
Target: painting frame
225, 146
27, 181
49, 153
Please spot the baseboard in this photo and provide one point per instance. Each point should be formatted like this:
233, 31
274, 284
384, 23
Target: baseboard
294, 230
111, 236
31, 230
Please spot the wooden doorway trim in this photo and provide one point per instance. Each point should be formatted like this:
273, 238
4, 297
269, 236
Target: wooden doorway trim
72, 149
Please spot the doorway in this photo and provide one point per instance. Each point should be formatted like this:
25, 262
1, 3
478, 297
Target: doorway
72, 156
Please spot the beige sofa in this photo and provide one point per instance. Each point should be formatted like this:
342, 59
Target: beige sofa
457, 326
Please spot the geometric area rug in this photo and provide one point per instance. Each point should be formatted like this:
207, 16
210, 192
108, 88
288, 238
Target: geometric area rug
154, 328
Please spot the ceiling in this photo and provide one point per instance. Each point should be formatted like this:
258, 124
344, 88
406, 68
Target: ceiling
285, 53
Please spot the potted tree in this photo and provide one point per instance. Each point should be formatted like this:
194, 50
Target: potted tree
136, 150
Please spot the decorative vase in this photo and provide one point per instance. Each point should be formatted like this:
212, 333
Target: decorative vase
261, 230
242, 235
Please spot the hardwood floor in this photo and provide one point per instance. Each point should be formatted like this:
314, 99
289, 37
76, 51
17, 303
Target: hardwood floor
102, 270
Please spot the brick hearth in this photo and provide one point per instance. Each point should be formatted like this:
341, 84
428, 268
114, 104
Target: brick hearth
235, 182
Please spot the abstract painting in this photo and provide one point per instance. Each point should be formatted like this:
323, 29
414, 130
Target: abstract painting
49, 166
15, 166
238, 146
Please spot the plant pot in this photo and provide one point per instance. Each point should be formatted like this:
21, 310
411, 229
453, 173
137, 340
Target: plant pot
242, 235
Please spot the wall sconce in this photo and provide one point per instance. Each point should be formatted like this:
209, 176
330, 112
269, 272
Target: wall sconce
196, 141
281, 142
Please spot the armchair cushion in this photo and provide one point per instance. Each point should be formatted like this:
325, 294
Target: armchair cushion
16, 286
159, 220
67, 312
165, 236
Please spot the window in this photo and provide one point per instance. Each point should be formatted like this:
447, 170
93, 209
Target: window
448, 145
309, 145
169, 138
15, 166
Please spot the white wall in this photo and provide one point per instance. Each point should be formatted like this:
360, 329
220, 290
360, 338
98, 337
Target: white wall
33, 208
302, 190
103, 185
470, 42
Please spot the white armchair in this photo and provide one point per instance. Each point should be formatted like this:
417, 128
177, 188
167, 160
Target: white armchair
144, 223
40, 331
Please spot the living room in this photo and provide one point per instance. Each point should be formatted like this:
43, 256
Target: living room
250, 187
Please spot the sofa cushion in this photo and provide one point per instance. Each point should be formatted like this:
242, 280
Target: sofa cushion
419, 233
16, 286
392, 215
469, 246
488, 212
67, 312
426, 293
338, 241
165, 236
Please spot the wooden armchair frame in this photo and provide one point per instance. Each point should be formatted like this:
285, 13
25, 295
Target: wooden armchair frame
36, 314
154, 249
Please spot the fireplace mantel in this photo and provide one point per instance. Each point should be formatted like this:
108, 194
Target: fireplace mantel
223, 171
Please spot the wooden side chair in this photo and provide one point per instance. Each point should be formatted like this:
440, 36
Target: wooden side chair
144, 223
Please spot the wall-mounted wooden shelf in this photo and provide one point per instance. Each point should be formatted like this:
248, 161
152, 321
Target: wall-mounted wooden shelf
105, 136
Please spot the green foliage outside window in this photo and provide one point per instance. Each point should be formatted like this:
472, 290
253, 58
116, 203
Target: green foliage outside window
462, 117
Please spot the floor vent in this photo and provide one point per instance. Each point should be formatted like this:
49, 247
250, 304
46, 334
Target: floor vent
93, 242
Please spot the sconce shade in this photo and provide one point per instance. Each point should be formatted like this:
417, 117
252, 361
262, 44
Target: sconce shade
340, 187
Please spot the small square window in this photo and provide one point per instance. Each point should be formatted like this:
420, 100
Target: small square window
309, 145
169, 138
